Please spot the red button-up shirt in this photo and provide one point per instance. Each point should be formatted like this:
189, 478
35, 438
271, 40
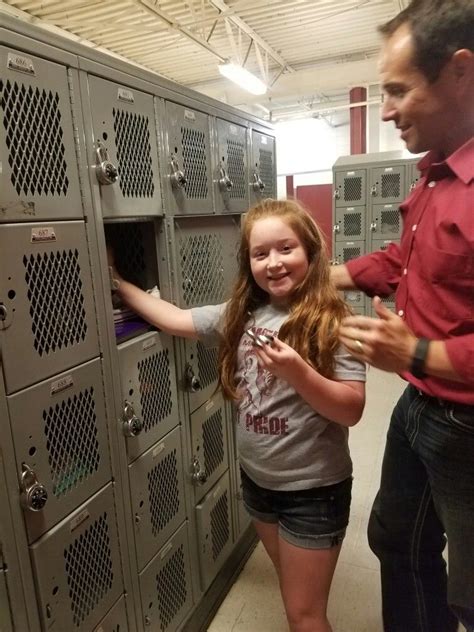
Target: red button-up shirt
432, 270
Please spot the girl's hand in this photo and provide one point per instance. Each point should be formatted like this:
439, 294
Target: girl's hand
280, 359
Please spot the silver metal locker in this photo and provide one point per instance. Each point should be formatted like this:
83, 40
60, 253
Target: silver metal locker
413, 176
231, 172
214, 521
205, 259
350, 223
5, 610
189, 161
344, 252
59, 429
243, 517
77, 567
125, 136
388, 301
157, 495
350, 188
116, 619
166, 585
150, 400
262, 167
387, 184
200, 376
385, 222
39, 177
210, 455
47, 315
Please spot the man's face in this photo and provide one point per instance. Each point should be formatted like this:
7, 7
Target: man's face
422, 111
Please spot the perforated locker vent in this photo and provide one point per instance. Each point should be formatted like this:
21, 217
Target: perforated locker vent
127, 244
202, 264
34, 139
194, 163
390, 185
266, 172
155, 388
219, 526
71, 440
390, 221
207, 364
352, 224
350, 253
353, 189
88, 563
171, 588
236, 167
163, 492
58, 317
213, 442
132, 139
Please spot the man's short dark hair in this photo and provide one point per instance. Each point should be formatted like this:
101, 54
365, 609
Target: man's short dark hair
439, 29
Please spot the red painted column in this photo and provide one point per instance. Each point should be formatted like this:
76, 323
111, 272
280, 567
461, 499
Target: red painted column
358, 121
290, 187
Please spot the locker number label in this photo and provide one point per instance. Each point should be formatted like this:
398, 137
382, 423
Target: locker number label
42, 234
61, 385
78, 520
189, 115
126, 95
20, 63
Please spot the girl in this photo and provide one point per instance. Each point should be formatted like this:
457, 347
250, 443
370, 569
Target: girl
296, 393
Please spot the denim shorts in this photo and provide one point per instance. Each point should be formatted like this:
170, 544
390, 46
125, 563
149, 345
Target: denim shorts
313, 518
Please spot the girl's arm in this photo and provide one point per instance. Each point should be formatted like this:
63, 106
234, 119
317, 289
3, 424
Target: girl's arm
342, 402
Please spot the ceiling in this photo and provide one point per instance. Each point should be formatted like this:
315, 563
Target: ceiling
309, 52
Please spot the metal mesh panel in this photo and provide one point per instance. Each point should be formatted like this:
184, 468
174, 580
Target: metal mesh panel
194, 162
352, 189
266, 172
236, 168
127, 243
213, 442
352, 224
155, 388
350, 253
390, 221
220, 532
56, 300
207, 364
132, 139
89, 571
71, 433
34, 139
171, 588
391, 183
202, 264
163, 492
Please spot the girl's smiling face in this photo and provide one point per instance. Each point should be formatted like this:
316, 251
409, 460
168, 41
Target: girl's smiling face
278, 259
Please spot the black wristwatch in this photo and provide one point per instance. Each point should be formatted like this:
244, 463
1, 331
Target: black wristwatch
417, 368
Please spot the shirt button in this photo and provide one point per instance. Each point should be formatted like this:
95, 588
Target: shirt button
405, 271
432, 184
400, 312
414, 227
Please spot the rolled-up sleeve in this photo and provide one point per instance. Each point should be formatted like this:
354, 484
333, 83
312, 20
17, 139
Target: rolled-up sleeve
377, 273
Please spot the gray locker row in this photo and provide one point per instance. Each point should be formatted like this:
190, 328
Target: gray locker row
65, 130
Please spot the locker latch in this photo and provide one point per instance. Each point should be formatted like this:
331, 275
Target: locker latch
33, 495
337, 194
177, 177
191, 381
336, 228
258, 185
106, 172
132, 425
198, 475
373, 190
373, 226
225, 183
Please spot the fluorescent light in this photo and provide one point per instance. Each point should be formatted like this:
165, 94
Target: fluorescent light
243, 78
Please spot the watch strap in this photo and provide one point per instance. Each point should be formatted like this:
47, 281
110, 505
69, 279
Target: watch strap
417, 367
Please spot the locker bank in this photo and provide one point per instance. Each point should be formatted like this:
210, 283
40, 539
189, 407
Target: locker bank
119, 479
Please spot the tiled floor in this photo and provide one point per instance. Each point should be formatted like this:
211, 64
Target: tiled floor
254, 603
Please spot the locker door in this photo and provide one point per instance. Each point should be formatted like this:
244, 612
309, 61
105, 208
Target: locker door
413, 176
388, 301
345, 251
262, 168
200, 375
385, 222
387, 184
350, 188
231, 173
39, 178
350, 223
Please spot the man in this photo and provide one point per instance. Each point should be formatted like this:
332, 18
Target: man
427, 484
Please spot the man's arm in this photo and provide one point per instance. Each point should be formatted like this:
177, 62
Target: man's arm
341, 277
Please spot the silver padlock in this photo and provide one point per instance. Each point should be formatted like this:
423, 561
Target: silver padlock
132, 426
373, 226
177, 177
191, 381
336, 228
225, 183
337, 194
198, 475
33, 494
373, 190
105, 171
258, 185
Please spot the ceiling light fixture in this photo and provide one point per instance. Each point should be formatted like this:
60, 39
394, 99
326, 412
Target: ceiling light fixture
243, 78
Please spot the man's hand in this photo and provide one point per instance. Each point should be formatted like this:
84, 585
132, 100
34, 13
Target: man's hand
384, 342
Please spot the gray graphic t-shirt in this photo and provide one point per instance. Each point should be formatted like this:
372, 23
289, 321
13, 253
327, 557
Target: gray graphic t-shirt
283, 443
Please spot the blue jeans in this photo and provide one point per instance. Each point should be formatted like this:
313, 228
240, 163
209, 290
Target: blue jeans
426, 493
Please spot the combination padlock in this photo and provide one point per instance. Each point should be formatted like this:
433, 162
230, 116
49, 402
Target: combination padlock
198, 474
337, 194
33, 494
225, 183
258, 185
177, 177
132, 426
105, 171
191, 381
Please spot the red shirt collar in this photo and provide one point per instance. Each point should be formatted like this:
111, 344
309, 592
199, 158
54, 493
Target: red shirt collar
461, 162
